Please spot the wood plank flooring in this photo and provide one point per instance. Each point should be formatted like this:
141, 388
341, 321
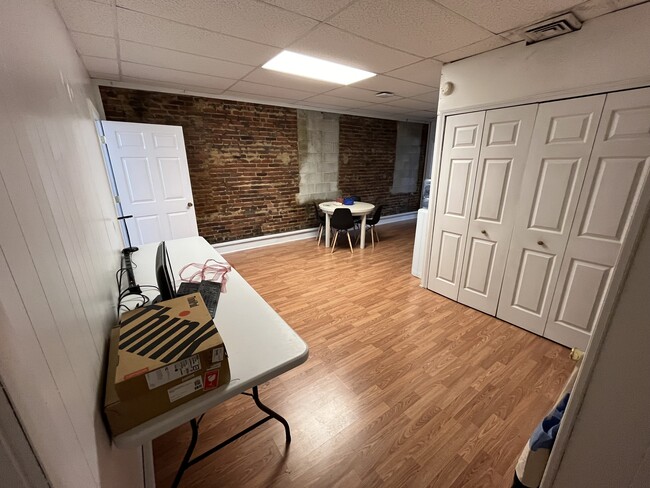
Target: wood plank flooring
403, 387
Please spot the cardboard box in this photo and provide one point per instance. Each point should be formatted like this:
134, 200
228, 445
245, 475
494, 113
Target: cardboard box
162, 356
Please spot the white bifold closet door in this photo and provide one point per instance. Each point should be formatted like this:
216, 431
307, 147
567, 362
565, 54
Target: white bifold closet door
615, 187
460, 151
506, 139
562, 141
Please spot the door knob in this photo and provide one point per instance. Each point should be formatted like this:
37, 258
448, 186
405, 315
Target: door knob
484, 232
540, 243
190, 204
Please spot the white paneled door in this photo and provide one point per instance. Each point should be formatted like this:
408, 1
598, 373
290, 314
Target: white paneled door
615, 186
506, 139
460, 151
152, 178
561, 145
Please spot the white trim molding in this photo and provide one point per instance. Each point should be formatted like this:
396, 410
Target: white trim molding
296, 235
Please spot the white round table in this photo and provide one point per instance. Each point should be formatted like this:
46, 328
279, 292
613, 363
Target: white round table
358, 209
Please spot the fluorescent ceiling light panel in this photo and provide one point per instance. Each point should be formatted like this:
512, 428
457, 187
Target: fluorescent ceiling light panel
318, 69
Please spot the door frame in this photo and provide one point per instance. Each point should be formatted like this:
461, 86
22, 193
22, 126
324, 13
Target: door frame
611, 298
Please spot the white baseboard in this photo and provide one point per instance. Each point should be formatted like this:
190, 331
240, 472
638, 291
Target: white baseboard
296, 235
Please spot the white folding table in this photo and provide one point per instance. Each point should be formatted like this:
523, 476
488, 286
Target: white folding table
260, 347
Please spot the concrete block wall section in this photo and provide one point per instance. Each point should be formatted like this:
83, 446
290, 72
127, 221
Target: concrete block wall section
318, 155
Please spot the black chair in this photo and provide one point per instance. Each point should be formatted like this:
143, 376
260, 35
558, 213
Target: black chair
342, 221
321, 221
372, 221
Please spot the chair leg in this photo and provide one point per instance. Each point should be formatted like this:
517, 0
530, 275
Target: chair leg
376, 235
372, 235
320, 233
336, 237
350, 242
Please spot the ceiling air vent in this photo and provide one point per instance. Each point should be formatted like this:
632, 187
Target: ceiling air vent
551, 28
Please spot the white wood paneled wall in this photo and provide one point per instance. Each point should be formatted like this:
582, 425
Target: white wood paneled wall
59, 245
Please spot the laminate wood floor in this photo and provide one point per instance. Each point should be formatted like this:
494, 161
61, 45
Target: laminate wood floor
403, 387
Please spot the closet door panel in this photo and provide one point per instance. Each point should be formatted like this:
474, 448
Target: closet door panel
616, 185
505, 144
460, 151
561, 144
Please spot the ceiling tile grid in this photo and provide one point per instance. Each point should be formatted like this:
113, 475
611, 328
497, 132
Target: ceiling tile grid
218, 46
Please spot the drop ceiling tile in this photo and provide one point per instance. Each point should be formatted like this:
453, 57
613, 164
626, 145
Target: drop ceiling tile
275, 78
476, 48
100, 65
316, 9
595, 8
326, 107
419, 27
91, 45
134, 26
386, 109
353, 93
336, 101
247, 19
425, 72
430, 97
166, 58
273, 91
252, 98
88, 17
399, 87
333, 44
141, 71
423, 114
156, 85
501, 15
411, 104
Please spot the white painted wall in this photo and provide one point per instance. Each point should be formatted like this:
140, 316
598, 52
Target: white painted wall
59, 247
609, 52
610, 441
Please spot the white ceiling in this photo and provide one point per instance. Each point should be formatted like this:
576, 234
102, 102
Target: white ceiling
216, 47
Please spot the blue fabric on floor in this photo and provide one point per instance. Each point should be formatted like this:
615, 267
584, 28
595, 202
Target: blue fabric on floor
544, 435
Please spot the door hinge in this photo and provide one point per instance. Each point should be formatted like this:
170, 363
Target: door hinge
116, 198
102, 139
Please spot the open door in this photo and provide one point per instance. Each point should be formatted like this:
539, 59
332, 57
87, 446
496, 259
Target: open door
152, 179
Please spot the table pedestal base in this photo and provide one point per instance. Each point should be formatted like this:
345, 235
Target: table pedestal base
194, 424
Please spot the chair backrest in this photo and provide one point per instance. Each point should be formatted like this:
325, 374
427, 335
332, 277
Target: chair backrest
376, 216
317, 213
342, 219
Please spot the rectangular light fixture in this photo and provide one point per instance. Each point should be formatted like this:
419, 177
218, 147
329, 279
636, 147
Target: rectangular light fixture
318, 69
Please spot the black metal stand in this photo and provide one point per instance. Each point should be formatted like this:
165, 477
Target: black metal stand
194, 424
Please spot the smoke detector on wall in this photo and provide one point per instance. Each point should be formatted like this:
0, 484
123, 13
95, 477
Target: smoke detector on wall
549, 28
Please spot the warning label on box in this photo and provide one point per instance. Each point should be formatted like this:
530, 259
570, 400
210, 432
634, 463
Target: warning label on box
164, 375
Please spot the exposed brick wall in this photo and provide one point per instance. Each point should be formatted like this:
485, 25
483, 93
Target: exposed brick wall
242, 157
243, 160
367, 163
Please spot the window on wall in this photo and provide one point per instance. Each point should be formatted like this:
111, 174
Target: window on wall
407, 157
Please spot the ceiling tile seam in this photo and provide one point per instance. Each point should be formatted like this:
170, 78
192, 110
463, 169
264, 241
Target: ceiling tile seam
182, 71
148, 84
200, 28
474, 43
307, 16
88, 33
420, 58
320, 22
462, 16
411, 64
117, 39
192, 54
